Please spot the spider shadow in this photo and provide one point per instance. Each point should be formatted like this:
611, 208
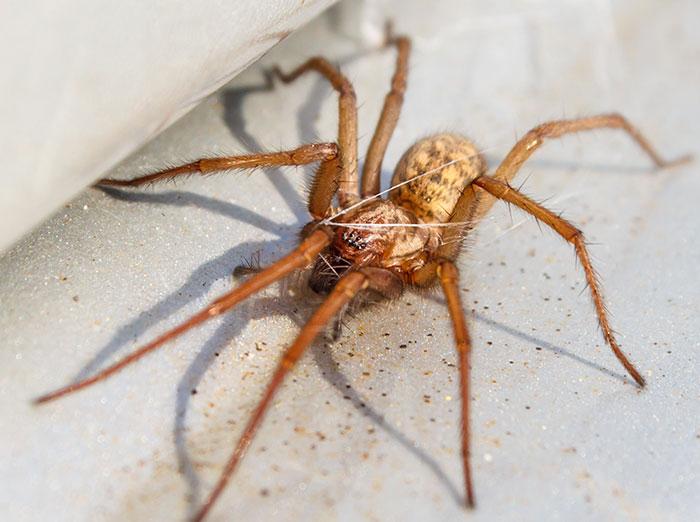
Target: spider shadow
330, 372
557, 350
531, 339
216, 345
199, 282
232, 100
309, 113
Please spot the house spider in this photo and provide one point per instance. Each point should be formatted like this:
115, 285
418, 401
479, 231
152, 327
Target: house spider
440, 190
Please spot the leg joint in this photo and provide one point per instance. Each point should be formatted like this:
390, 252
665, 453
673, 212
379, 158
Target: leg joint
447, 271
288, 362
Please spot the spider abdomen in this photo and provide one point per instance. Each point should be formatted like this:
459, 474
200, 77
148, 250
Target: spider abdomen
444, 164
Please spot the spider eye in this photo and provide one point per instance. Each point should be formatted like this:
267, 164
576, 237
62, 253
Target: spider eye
354, 239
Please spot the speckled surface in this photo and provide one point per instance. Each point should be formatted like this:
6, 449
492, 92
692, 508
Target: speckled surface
366, 428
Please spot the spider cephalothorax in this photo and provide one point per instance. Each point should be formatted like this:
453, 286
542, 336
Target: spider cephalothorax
374, 235
439, 192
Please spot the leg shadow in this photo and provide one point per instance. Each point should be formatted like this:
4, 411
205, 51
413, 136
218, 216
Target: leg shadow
175, 198
217, 344
233, 117
329, 366
531, 339
196, 287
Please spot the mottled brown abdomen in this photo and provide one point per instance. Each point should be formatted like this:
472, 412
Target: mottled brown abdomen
433, 197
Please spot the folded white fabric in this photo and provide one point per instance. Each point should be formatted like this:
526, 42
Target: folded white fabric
85, 83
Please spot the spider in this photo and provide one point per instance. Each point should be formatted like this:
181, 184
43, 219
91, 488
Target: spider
365, 243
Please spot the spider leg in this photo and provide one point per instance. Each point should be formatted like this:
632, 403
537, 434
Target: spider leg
536, 137
323, 188
348, 286
299, 258
348, 188
371, 172
474, 204
501, 190
449, 278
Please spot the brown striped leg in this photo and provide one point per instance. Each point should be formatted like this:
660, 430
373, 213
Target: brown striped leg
573, 235
449, 278
536, 137
348, 188
299, 258
371, 172
348, 286
324, 185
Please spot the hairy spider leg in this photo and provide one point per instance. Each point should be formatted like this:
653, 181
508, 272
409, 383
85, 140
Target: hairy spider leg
449, 278
323, 188
346, 288
534, 139
501, 190
372, 169
299, 258
348, 187
474, 204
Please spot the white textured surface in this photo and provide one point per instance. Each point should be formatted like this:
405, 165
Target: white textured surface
367, 429
85, 83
